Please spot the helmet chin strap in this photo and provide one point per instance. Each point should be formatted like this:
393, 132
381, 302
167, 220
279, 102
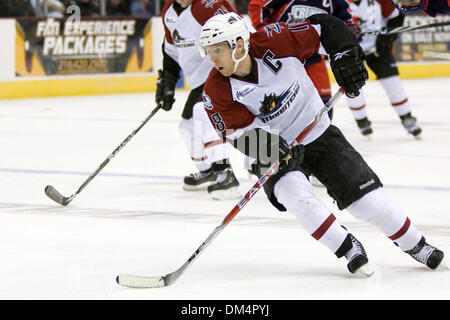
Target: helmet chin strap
236, 61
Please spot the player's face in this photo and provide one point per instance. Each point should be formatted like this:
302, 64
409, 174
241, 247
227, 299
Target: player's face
220, 56
184, 3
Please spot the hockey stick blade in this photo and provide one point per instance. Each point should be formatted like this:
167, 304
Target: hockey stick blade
53, 194
132, 281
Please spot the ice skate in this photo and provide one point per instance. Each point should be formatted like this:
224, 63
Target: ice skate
226, 186
365, 127
426, 254
199, 181
357, 259
410, 124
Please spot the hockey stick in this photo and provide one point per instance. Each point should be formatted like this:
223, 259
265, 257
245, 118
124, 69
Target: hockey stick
405, 28
53, 194
134, 281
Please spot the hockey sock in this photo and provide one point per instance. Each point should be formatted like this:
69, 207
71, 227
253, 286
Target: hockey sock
377, 209
296, 194
358, 106
190, 132
201, 139
396, 94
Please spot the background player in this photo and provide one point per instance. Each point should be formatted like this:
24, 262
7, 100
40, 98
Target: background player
373, 15
182, 21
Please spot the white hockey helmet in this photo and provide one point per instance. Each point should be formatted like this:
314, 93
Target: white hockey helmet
228, 28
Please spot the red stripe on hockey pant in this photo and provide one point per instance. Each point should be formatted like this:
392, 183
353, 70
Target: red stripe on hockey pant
213, 143
323, 227
399, 103
402, 230
358, 108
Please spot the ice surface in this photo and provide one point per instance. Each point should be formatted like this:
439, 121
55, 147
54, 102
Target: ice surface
134, 217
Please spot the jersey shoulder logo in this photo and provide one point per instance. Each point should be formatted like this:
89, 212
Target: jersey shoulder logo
208, 3
274, 27
207, 102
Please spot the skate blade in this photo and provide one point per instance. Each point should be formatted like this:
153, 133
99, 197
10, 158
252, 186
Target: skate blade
443, 266
202, 187
366, 271
232, 193
368, 137
418, 137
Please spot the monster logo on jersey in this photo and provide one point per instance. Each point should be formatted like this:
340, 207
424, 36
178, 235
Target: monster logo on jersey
181, 42
273, 106
269, 103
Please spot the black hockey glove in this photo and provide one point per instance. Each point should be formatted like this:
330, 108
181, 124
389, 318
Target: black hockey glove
165, 90
290, 158
266, 148
348, 68
384, 44
385, 41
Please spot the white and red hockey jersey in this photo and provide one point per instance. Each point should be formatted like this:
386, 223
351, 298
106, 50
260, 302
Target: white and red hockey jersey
182, 27
372, 15
278, 96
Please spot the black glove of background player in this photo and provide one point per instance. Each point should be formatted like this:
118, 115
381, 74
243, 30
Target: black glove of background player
165, 90
385, 42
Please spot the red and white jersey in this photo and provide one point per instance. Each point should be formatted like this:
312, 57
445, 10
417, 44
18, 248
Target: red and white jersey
372, 16
278, 95
182, 28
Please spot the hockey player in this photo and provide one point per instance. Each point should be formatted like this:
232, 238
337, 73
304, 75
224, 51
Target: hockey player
430, 7
259, 88
182, 21
373, 15
264, 12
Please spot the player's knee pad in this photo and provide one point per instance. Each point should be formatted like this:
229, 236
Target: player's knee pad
295, 193
374, 207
